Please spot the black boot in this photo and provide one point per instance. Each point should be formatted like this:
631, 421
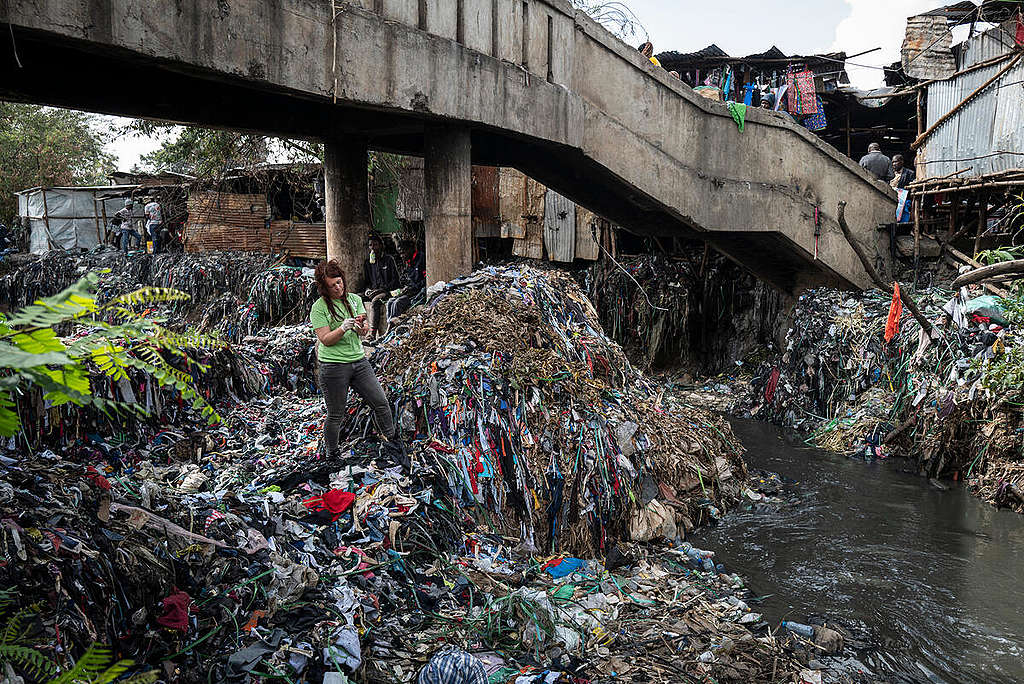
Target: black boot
396, 449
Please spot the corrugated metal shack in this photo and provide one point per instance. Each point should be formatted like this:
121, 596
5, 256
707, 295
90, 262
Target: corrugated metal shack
970, 143
514, 215
985, 134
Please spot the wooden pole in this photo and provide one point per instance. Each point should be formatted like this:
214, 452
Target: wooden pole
954, 212
917, 237
907, 300
46, 221
982, 221
849, 146
987, 272
920, 112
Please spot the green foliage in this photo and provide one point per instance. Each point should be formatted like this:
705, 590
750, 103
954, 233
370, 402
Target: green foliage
208, 153
13, 646
996, 256
1005, 373
96, 666
31, 353
47, 146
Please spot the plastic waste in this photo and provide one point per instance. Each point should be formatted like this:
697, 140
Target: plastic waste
798, 628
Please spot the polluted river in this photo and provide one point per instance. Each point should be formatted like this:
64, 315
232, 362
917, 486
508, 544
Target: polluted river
931, 575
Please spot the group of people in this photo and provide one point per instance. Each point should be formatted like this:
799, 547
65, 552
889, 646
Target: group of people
340, 318
122, 226
894, 172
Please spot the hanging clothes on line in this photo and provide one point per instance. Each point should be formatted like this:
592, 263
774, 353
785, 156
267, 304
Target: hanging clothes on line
802, 95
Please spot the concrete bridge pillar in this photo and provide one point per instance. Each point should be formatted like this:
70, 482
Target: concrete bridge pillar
347, 211
447, 213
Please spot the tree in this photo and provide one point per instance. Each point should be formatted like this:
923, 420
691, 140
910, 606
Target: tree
47, 146
31, 353
208, 152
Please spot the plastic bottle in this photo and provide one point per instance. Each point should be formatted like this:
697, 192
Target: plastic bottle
797, 628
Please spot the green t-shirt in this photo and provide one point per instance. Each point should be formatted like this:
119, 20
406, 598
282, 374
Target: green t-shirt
348, 348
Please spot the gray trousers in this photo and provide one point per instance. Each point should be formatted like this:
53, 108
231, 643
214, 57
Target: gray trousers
335, 380
400, 304
375, 310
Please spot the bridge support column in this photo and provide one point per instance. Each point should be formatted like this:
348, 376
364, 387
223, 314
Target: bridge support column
347, 212
447, 212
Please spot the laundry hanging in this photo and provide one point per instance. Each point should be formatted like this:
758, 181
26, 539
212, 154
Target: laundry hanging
739, 113
816, 122
802, 97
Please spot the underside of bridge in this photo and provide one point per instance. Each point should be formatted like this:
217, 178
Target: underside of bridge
55, 69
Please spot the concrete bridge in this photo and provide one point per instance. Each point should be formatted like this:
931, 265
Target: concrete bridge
531, 84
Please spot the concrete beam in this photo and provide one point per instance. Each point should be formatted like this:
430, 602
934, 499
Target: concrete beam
447, 210
347, 211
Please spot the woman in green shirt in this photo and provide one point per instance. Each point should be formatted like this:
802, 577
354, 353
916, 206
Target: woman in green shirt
339, 319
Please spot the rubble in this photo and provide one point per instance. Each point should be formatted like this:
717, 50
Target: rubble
238, 552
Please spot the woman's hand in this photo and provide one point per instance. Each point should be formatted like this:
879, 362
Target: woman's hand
348, 324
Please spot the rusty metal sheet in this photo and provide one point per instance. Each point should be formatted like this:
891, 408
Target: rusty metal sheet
588, 225
928, 48
559, 227
987, 134
531, 245
485, 202
511, 200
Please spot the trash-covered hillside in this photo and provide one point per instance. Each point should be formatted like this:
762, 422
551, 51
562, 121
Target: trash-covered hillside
538, 460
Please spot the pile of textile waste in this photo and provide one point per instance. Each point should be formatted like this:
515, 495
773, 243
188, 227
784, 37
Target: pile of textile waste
700, 313
860, 376
506, 538
233, 294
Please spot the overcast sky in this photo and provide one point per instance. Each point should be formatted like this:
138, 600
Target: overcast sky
742, 27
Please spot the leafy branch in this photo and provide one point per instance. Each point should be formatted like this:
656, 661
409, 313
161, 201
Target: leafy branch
32, 354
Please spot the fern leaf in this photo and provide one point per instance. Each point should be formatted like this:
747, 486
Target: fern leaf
92, 663
28, 659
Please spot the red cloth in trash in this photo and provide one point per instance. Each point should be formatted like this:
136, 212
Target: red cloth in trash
335, 501
1019, 38
978, 318
773, 384
176, 607
892, 326
94, 475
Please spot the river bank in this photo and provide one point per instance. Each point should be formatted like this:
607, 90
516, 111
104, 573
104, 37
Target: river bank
951, 406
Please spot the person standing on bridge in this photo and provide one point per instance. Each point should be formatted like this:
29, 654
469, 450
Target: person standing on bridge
339, 319
902, 176
647, 50
877, 163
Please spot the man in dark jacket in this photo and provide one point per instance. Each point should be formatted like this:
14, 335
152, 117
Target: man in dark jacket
413, 279
877, 163
381, 275
902, 176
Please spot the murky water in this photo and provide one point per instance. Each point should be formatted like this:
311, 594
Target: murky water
938, 574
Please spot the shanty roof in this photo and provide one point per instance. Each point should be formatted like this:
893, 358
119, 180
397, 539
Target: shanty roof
773, 57
994, 11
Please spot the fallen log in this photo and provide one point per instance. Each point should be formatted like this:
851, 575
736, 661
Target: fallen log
957, 258
987, 272
908, 301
